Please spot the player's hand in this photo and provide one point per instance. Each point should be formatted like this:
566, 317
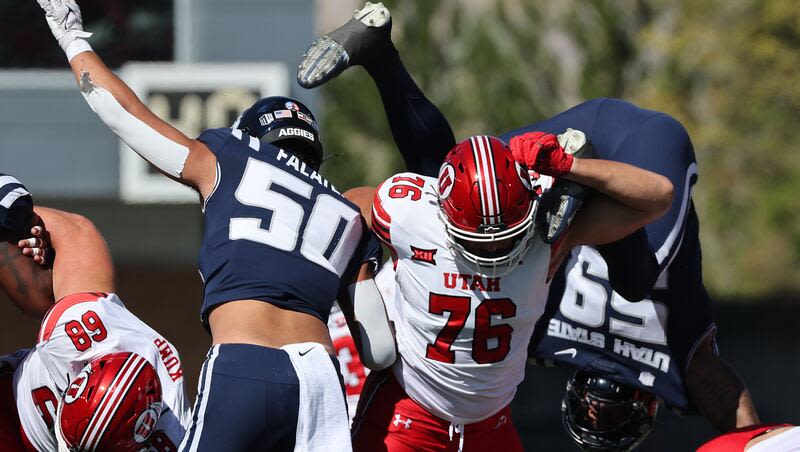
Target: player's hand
37, 246
65, 21
542, 153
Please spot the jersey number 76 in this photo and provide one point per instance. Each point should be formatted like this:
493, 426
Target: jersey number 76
459, 309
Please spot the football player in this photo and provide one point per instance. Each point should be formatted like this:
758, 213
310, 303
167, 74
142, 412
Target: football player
130, 396
662, 342
636, 267
471, 277
280, 244
350, 366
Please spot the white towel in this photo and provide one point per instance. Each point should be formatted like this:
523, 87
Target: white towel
322, 423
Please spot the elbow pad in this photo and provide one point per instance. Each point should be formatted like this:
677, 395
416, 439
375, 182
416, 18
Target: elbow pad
377, 341
167, 155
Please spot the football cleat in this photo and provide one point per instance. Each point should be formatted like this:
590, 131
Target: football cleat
356, 42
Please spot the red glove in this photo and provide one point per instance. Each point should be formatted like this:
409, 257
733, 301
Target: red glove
541, 152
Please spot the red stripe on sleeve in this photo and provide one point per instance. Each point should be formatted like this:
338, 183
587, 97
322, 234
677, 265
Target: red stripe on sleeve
57, 310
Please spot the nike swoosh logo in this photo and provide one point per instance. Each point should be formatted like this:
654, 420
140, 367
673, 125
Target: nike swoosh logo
304, 353
567, 351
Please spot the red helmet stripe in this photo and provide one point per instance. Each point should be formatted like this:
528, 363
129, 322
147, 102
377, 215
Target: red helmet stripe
119, 391
92, 434
115, 392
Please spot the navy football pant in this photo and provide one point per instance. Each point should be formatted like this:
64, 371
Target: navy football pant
247, 400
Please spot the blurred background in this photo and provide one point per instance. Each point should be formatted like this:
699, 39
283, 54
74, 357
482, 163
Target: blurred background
729, 70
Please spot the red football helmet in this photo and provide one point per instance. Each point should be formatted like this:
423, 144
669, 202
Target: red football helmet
112, 405
485, 197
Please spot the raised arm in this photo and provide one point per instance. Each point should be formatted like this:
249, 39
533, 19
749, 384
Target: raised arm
83, 261
174, 154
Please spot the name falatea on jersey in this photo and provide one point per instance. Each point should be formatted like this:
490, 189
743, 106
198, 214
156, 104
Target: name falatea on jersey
648, 356
300, 167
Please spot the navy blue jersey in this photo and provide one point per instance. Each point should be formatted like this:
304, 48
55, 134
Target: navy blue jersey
646, 344
16, 207
276, 231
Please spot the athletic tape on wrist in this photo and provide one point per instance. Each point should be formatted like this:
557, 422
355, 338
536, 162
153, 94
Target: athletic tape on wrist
77, 46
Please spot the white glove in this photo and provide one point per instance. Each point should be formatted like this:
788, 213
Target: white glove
66, 24
574, 142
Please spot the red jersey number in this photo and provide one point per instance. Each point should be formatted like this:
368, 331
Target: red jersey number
46, 403
413, 186
490, 343
78, 332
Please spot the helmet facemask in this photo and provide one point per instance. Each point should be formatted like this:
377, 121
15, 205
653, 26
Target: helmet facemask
521, 234
485, 198
606, 422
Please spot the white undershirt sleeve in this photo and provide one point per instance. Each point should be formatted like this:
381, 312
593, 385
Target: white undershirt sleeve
377, 340
167, 155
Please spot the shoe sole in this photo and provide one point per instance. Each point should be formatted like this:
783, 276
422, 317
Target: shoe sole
325, 59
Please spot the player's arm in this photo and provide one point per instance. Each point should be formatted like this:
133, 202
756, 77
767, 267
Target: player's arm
366, 317
633, 197
83, 261
363, 305
717, 392
174, 154
27, 285
362, 197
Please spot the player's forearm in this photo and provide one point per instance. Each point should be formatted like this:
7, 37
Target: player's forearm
83, 261
633, 187
26, 284
365, 312
99, 74
718, 392
122, 111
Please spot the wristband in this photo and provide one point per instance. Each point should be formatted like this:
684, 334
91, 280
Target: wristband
75, 47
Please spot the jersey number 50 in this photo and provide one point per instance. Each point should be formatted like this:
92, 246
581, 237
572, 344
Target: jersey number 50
330, 219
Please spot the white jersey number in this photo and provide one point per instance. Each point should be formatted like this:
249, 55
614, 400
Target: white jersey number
585, 301
329, 220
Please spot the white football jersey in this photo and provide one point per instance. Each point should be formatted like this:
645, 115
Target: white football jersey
463, 337
76, 330
353, 371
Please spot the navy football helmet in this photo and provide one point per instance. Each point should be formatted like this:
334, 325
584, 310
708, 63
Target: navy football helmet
16, 209
284, 122
602, 415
